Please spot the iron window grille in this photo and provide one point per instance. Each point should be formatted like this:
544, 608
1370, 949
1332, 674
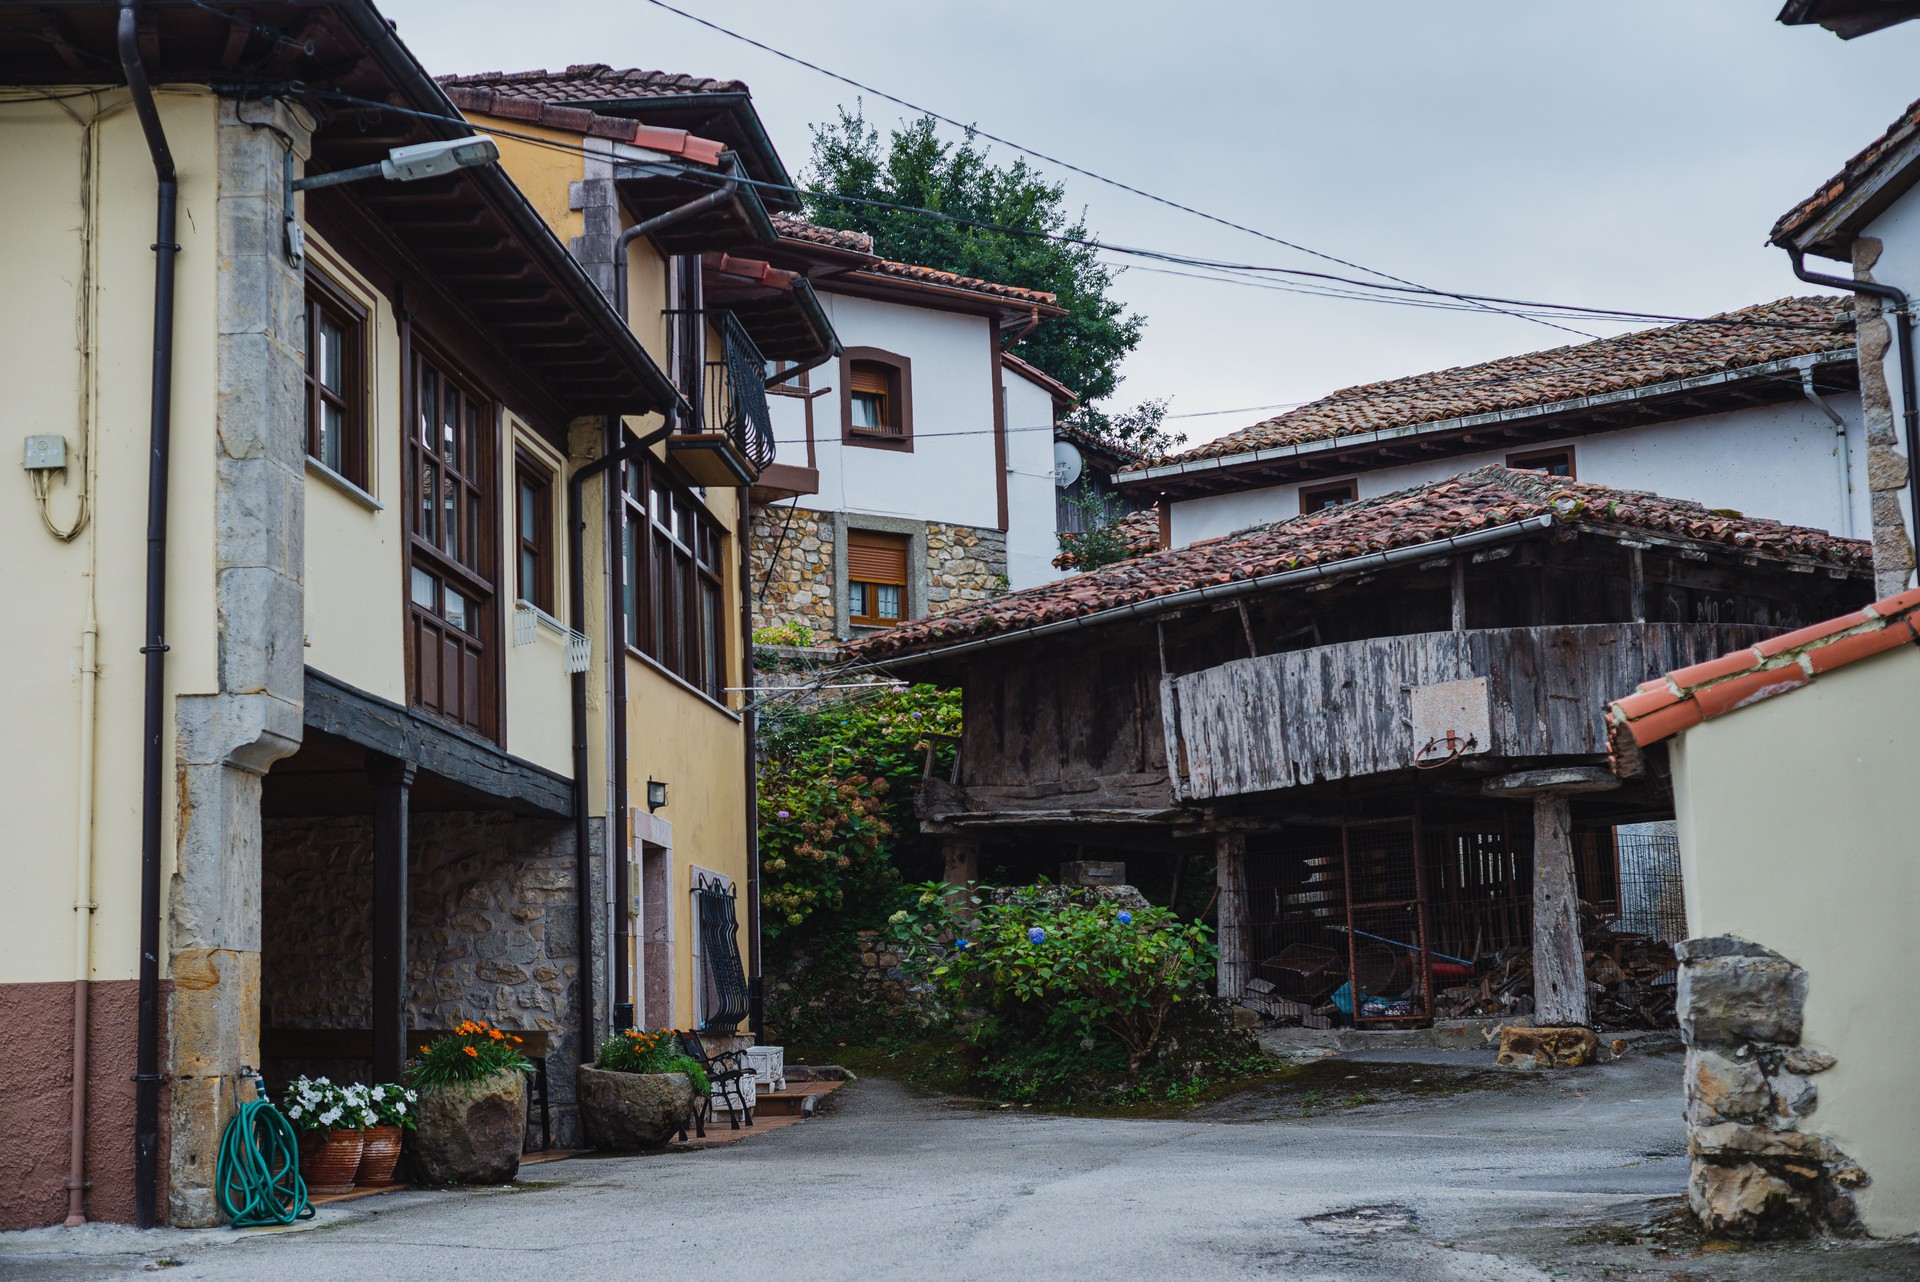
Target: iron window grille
722, 979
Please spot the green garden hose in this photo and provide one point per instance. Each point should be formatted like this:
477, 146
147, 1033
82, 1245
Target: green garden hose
259, 1173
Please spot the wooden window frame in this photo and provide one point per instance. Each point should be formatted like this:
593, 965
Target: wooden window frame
1530, 460
324, 298
873, 619
899, 373
673, 578
472, 565
1309, 493
530, 473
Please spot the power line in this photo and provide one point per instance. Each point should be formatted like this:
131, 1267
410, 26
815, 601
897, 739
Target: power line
1084, 172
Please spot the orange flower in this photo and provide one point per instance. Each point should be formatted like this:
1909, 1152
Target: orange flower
497, 1035
469, 1050
517, 1041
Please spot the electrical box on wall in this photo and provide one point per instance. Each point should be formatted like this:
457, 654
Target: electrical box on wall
46, 453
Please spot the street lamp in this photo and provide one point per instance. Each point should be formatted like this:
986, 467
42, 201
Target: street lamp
402, 165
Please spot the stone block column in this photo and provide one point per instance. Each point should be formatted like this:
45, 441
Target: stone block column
227, 738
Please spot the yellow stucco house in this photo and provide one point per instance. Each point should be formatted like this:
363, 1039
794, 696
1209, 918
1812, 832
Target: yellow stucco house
380, 619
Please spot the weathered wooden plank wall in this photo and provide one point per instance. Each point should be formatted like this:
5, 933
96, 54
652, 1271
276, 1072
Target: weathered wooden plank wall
1340, 711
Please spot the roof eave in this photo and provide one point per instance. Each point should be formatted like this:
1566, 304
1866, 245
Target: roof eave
1225, 464
1831, 232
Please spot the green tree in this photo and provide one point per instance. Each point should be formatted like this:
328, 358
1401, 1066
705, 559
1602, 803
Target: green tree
1082, 349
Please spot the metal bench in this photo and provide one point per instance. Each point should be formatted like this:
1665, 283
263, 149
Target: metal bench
725, 1071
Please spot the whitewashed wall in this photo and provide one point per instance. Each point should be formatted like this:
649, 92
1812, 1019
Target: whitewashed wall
1031, 492
1778, 461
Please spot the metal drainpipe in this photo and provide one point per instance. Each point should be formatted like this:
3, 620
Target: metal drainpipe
147, 1075
1903, 350
1840, 449
620, 988
749, 723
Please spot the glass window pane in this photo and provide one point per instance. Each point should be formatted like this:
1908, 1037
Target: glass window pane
630, 582
470, 447
422, 588
473, 529
333, 342
460, 612
333, 435
428, 395
450, 428
450, 517
529, 573
889, 604
529, 507
857, 599
866, 411
429, 501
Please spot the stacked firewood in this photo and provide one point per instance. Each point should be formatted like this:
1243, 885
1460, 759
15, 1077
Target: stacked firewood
1630, 981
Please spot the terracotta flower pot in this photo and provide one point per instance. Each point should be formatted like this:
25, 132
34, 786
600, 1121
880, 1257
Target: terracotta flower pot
632, 1110
379, 1157
471, 1132
329, 1159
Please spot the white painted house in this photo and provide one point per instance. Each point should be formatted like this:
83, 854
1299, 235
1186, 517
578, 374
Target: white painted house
1757, 411
913, 473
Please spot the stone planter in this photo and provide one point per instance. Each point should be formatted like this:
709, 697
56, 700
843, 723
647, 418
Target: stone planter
328, 1160
379, 1157
632, 1110
470, 1133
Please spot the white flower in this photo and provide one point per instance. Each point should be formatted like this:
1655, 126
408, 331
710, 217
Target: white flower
400, 1109
329, 1117
379, 1092
294, 1111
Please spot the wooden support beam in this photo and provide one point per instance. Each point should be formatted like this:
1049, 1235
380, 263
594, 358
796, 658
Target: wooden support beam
1559, 969
1232, 935
1637, 585
392, 779
1459, 594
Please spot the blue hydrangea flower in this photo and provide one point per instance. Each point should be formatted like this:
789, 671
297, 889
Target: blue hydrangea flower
1125, 918
1036, 935
963, 944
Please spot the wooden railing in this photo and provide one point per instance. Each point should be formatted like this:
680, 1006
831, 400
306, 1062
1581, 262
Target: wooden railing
1341, 711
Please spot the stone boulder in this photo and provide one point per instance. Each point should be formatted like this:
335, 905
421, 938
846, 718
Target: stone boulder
1733, 992
470, 1132
623, 1111
1546, 1047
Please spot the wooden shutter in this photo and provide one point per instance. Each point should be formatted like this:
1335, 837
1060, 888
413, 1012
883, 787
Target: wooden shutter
876, 558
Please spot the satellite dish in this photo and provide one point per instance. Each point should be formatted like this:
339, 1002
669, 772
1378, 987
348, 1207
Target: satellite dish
1067, 464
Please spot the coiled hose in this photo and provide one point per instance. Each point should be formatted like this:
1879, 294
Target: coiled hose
258, 1178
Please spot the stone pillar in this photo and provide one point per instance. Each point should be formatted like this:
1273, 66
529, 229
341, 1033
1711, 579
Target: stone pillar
225, 740
392, 780
1754, 1172
1559, 963
1234, 936
1886, 455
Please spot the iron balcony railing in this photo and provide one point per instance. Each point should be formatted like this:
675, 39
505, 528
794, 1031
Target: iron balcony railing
735, 400
722, 979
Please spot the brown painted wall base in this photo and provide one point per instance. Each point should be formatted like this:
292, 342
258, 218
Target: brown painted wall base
36, 1105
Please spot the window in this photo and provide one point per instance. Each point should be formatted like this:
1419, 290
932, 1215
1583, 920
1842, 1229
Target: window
876, 399
673, 575
1553, 462
452, 534
1318, 498
876, 578
335, 386
533, 530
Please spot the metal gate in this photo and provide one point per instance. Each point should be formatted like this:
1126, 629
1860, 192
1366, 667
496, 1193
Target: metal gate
722, 979
1389, 967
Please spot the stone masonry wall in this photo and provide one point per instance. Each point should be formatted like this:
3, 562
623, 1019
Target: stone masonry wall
491, 933
965, 564
800, 589
1755, 1173
1886, 465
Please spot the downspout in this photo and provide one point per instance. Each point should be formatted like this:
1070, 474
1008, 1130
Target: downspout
1840, 448
749, 727
1903, 351
621, 988
147, 1076
83, 908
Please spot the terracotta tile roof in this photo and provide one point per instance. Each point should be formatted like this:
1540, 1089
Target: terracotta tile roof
592, 82
951, 280
1481, 499
511, 106
1640, 359
1126, 454
1141, 530
1053, 386
794, 227
750, 269
1851, 175
1667, 705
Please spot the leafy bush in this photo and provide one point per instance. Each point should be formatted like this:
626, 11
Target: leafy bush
470, 1052
658, 1050
836, 787
1076, 1002
393, 1104
790, 633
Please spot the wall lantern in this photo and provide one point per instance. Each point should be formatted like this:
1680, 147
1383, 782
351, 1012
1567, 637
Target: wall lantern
656, 794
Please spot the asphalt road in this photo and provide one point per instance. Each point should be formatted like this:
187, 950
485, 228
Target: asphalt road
1484, 1185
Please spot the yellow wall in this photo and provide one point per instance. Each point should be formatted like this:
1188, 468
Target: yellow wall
1796, 820
45, 582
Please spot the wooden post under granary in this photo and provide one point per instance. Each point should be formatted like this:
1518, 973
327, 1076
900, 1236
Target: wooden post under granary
962, 856
1234, 967
392, 780
1559, 962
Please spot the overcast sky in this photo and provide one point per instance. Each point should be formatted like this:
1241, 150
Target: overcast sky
1621, 154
